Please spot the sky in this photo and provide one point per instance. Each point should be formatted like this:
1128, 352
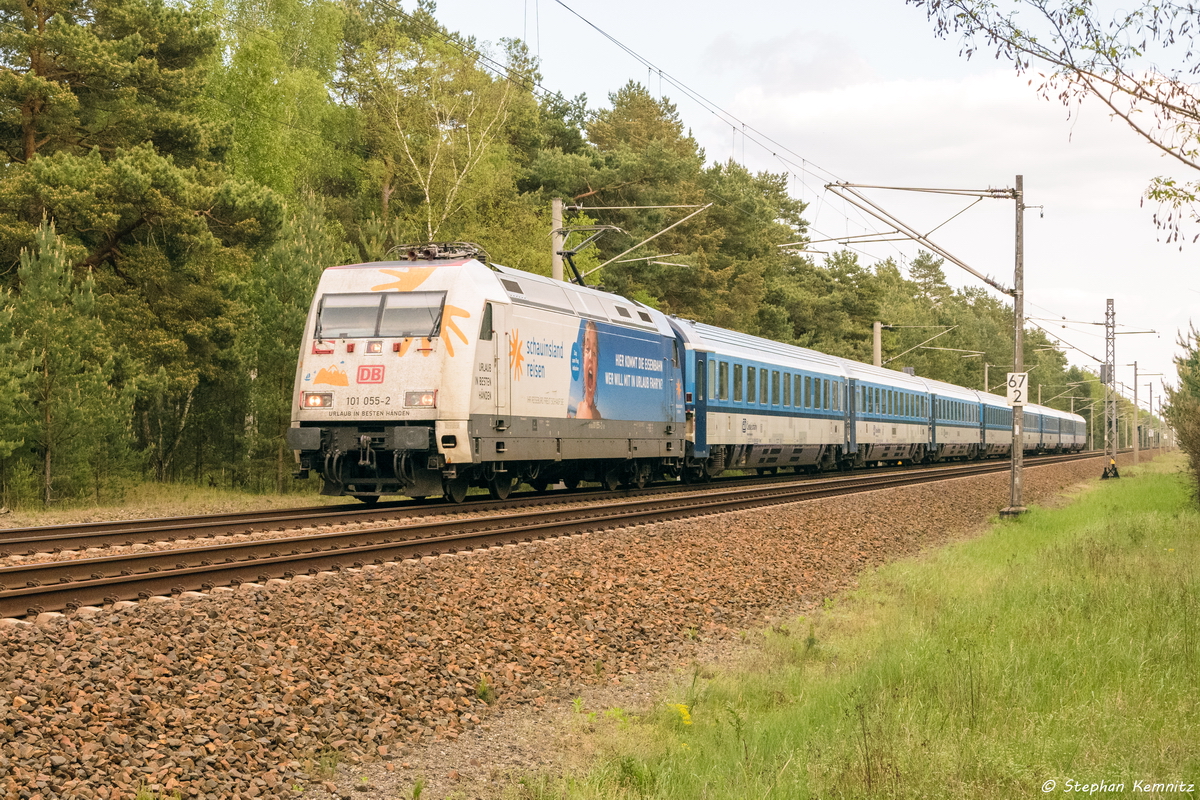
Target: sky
862, 91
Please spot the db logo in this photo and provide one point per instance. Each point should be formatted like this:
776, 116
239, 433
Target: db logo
372, 373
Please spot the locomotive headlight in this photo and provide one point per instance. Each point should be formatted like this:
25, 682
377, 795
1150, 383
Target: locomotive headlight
420, 399
374, 347
317, 399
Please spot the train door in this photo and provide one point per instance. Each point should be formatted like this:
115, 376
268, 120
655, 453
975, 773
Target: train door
933, 415
981, 410
850, 417
698, 409
492, 355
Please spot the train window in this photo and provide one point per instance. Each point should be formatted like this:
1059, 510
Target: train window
675, 353
787, 389
345, 316
807, 392
862, 398
825, 392
737, 382
723, 380
774, 387
485, 325
712, 380
645, 317
751, 384
623, 312
700, 376
764, 381
798, 389
411, 314
837, 395
355, 316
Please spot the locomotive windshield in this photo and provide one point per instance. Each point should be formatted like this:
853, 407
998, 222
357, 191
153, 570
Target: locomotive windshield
394, 314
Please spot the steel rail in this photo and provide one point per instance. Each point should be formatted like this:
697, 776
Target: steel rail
32, 588
84, 536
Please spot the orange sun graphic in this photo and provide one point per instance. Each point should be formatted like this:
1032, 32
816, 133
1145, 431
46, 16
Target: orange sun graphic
449, 325
409, 278
515, 357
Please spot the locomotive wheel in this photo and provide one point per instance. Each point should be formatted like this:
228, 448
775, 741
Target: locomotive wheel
455, 489
612, 479
640, 478
571, 482
500, 486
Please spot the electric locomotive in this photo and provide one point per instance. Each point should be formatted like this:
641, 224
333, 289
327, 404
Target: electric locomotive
434, 373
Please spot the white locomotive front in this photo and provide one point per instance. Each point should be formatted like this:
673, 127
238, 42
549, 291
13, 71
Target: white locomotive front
435, 374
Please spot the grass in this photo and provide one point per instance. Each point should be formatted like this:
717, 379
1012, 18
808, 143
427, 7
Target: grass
1064, 646
162, 500
324, 764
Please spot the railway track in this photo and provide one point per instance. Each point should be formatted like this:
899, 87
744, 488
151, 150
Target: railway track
118, 533
30, 589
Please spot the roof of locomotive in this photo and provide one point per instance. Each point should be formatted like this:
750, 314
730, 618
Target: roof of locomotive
458, 262
540, 291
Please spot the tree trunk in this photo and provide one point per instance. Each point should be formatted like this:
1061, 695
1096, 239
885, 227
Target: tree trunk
279, 468
46, 459
47, 421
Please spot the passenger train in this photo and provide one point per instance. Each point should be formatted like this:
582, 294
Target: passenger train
435, 373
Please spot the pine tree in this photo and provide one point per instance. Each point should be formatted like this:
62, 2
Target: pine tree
68, 405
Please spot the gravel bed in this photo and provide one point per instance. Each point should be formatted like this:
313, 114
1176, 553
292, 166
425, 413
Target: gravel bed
257, 693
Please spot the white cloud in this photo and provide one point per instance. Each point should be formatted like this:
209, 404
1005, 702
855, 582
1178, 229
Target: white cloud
807, 60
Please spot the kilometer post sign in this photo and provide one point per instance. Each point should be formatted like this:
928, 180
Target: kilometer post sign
1018, 388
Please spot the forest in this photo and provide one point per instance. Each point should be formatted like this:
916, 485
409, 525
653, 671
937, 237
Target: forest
175, 178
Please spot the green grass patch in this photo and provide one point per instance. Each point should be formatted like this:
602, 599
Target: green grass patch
1064, 646
162, 500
